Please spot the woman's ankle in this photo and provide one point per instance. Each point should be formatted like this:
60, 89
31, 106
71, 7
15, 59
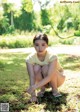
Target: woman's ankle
43, 89
41, 92
55, 90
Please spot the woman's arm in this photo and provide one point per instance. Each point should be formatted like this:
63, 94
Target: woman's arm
31, 75
52, 70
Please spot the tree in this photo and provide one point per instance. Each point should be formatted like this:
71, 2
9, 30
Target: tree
45, 17
9, 11
44, 13
3, 21
27, 5
25, 20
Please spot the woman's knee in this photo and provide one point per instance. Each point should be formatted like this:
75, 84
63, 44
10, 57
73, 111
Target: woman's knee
37, 69
44, 70
37, 72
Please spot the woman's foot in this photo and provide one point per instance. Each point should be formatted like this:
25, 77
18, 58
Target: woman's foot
56, 93
42, 91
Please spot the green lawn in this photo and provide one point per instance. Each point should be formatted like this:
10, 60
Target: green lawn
14, 81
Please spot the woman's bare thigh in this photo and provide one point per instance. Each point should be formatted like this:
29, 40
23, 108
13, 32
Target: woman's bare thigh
60, 79
37, 73
44, 70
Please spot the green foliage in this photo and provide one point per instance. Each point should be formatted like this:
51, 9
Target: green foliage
67, 12
46, 29
4, 25
26, 23
22, 20
45, 17
77, 33
67, 17
21, 44
6, 22
68, 24
61, 24
10, 30
8, 7
27, 5
67, 41
25, 20
22, 41
3, 43
61, 17
15, 42
65, 22
25, 40
76, 23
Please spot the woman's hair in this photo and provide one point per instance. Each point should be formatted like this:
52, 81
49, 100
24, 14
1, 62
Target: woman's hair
40, 36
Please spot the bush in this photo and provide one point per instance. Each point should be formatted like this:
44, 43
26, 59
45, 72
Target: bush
77, 33
3, 43
10, 30
15, 42
67, 41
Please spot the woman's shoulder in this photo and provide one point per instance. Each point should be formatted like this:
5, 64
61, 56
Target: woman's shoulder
31, 56
51, 53
51, 56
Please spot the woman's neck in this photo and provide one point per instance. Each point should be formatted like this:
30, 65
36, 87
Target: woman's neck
42, 56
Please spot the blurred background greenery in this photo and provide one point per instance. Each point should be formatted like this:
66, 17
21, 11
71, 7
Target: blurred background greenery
18, 25
61, 21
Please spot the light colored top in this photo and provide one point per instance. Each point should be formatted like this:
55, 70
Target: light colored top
50, 57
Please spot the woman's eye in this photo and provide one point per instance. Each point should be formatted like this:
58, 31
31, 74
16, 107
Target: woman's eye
36, 45
43, 44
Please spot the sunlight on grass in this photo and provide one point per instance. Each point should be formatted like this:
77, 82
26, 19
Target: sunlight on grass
14, 81
70, 62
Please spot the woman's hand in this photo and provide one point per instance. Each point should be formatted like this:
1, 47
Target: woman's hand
31, 89
34, 99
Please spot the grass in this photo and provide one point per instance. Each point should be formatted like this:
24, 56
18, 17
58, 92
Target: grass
14, 80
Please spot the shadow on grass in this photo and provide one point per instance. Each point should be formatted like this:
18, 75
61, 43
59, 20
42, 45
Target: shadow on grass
52, 104
18, 101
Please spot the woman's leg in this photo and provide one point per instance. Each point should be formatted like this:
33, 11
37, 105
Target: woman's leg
37, 73
32, 81
38, 77
44, 70
52, 76
57, 79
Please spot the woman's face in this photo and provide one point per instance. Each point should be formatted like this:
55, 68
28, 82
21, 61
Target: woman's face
40, 46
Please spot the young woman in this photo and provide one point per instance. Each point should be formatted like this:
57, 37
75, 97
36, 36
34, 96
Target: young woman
44, 68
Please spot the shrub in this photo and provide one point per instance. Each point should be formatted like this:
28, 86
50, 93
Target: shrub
77, 33
15, 42
67, 41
